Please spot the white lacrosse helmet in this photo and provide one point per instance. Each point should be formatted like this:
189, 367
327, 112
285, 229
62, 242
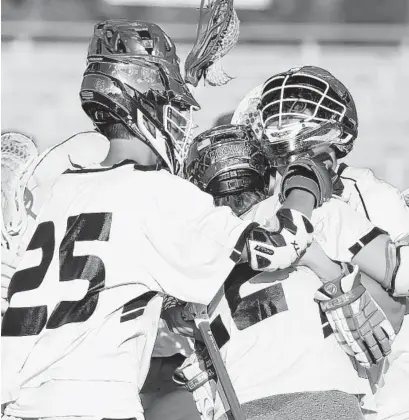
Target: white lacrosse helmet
306, 106
248, 113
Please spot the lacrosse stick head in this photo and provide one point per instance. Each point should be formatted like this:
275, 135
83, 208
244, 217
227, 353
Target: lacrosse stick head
18, 152
217, 34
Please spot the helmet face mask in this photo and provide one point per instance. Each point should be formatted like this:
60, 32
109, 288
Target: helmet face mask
305, 106
133, 77
179, 125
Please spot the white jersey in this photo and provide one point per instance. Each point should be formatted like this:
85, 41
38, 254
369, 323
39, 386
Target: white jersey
87, 294
272, 335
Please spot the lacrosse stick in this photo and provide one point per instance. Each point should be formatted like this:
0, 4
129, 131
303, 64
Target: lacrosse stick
201, 318
214, 40
18, 152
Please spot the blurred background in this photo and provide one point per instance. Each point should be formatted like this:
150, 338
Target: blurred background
365, 43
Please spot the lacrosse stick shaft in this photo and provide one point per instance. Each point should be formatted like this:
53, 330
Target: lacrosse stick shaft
204, 327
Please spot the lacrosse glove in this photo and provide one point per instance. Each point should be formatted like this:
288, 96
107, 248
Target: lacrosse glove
359, 324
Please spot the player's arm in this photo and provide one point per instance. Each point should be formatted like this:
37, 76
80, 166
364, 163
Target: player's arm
347, 235
387, 262
201, 243
298, 200
306, 184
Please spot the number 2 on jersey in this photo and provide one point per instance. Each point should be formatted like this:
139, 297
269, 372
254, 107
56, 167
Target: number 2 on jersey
31, 320
251, 309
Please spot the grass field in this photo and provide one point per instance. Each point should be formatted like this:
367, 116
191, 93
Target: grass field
40, 84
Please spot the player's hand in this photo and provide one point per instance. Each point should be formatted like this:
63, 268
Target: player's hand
180, 322
199, 377
310, 173
272, 250
326, 154
359, 324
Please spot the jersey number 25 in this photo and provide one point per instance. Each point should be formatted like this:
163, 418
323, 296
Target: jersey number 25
25, 321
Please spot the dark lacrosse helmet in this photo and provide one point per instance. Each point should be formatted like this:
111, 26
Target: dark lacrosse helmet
227, 161
133, 77
306, 106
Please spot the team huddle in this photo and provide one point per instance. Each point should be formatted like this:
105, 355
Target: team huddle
301, 260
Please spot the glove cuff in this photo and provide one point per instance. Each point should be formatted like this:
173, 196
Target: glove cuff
331, 295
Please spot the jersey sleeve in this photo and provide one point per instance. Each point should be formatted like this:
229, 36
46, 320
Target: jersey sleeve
383, 203
191, 244
341, 231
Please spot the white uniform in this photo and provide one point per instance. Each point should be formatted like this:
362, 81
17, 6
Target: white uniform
83, 316
385, 207
272, 336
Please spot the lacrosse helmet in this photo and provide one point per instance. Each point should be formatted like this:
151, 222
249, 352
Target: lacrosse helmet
227, 161
248, 112
133, 77
305, 106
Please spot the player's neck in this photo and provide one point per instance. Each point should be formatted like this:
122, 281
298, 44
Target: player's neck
126, 149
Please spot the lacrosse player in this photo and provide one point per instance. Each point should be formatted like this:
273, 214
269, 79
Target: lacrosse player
258, 318
112, 238
305, 108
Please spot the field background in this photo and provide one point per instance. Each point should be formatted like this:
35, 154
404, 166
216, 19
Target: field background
41, 78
